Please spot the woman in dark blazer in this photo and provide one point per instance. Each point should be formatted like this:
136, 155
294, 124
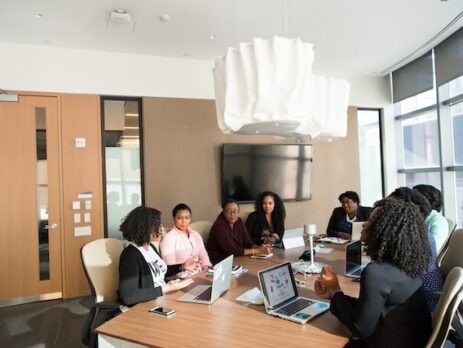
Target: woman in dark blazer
340, 224
391, 310
267, 224
142, 271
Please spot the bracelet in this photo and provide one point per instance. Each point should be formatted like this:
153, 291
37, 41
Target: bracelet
182, 268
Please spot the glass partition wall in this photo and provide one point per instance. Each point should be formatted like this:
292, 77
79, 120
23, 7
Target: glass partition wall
123, 170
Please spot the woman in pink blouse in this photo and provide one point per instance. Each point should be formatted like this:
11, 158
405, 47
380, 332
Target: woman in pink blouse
182, 243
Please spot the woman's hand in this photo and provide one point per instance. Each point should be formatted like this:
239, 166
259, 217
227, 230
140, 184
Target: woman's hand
263, 249
327, 283
191, 264
273, 238
321, 291
176, 284
344, 235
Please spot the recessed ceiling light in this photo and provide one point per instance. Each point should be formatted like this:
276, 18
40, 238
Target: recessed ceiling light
38, 15
211, 36
164, 18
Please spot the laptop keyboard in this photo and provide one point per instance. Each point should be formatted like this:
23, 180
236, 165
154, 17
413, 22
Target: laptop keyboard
205, 295
295, 306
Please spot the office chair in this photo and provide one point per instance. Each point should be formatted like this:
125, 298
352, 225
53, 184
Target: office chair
451, 255
452, 226
100, 260
203, 228
450, 300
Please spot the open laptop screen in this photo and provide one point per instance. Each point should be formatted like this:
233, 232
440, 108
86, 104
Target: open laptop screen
278, 284
353, 256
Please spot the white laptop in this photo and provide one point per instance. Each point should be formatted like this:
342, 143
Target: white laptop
354, 266
207, 294
293, 238
356, 230
281, 298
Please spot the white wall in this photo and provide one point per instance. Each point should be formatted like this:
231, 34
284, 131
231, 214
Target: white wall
51, 69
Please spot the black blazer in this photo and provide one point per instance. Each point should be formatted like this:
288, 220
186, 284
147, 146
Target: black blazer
135, 279
256, 228
338, 218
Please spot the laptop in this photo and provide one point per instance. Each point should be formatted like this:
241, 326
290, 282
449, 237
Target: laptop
293, 238
356, 230
354, 265
207, 294
281, 298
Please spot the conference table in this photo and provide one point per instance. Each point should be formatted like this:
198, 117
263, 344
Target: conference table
228, 322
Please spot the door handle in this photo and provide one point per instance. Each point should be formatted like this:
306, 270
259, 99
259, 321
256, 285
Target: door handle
51, 227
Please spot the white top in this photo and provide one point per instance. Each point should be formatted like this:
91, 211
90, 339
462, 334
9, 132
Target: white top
156, 265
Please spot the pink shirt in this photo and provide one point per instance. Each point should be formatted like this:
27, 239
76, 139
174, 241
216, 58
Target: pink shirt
177, 247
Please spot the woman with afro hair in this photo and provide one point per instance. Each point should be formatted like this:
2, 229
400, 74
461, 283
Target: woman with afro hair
391, 310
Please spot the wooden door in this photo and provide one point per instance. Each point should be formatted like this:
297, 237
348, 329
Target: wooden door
30, 228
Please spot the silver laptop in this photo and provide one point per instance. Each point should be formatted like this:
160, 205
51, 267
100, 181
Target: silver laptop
354, 266
281, 298
356, 230
293, 238
207, 294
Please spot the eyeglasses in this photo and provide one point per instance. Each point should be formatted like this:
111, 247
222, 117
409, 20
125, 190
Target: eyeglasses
231, 212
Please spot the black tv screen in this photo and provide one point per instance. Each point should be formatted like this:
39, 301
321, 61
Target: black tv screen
248, 169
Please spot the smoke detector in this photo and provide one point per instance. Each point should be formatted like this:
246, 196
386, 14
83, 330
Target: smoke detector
120, 16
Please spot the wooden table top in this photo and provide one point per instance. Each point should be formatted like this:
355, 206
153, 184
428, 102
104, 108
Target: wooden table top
231, 323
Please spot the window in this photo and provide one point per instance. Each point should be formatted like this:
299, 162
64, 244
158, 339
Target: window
123, 158
418, 154
371, 178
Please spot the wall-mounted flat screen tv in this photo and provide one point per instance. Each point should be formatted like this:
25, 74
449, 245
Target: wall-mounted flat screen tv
248, 169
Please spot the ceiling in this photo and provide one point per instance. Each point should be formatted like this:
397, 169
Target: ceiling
362, 37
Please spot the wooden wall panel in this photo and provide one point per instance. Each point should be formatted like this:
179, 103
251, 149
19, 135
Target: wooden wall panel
182, 163
82, 172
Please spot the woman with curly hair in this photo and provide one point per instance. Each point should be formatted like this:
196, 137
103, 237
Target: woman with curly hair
391, 310
142, 271
437, 223
267, 224
433, 279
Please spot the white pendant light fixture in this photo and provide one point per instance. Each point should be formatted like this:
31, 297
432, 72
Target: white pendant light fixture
267, 87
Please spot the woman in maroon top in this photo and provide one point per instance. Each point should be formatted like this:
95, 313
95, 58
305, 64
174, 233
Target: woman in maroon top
229, 235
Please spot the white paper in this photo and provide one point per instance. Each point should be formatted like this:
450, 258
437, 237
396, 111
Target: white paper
76, 205
334, 240
82, 231
88, 205
321, 250
80, 142
76, 218
83, 195
87, 217
253, 295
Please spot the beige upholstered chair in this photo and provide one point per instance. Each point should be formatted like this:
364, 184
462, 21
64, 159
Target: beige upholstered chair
451, 255
442, 317
203, 228
100, 259
452, 226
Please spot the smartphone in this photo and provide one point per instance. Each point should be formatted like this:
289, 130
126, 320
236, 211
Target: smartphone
163, 312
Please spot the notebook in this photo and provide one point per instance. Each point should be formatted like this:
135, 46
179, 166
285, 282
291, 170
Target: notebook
207, 294
354, 265
357, 230
281, 298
